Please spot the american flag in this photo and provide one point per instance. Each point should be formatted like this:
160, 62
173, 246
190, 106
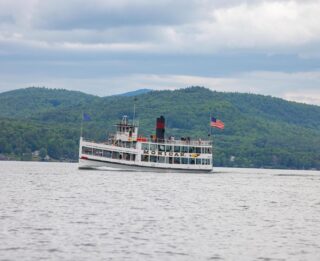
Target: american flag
216, 123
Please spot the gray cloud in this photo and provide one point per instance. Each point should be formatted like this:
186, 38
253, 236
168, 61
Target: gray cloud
97, 14
103, 14
161, 42
6, 19
188, 26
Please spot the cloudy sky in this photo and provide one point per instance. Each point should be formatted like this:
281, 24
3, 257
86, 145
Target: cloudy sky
107, 47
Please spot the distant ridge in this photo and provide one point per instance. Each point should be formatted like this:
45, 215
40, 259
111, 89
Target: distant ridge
136, 92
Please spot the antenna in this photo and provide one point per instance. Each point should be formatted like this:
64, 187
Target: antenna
209, 130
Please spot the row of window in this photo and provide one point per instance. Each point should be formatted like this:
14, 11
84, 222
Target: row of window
125, 144
108, 154
171, 148
175, 160
145, 158
122, 128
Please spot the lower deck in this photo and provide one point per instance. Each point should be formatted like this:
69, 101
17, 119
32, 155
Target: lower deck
156, 156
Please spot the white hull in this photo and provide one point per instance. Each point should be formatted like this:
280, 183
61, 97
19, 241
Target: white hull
99, 164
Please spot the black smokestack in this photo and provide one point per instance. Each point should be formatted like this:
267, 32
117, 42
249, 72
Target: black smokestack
160, 129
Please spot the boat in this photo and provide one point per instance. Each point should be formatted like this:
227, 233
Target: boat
126, 150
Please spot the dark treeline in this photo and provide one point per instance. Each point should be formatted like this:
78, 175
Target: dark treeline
260, 131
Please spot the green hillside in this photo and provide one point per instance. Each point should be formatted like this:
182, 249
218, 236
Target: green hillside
260, 131
25, 103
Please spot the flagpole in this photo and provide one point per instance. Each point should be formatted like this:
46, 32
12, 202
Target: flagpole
211, 137
210, 124
134, 112
134, 109
81, 126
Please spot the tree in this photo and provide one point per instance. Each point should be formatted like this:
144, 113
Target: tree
42, 153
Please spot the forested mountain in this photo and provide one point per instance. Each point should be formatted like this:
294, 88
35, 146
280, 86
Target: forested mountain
136, 92
260, 131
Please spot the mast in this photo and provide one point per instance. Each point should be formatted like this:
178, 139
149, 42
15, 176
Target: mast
134, 110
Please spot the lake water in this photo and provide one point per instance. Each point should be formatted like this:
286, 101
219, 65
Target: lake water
53, 211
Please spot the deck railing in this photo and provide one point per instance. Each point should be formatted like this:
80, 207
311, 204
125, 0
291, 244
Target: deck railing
165, 142
185, 142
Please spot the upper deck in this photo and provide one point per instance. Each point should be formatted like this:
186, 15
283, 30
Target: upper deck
198, 143
126, 136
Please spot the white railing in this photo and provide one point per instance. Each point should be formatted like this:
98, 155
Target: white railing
167, 141
129, 145
183, 142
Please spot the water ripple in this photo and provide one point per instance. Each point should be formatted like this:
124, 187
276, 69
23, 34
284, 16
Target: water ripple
53, 211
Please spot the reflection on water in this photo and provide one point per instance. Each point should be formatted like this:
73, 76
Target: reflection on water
55, 211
